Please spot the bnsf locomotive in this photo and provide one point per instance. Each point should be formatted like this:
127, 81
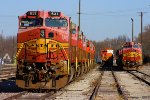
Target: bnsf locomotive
51, 51
129, 56
107, 57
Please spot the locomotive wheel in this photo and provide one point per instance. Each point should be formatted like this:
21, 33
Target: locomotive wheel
72, 74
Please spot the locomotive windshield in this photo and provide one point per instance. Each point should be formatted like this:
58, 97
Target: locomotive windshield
56, 22
31, 22
136, 46
127, 46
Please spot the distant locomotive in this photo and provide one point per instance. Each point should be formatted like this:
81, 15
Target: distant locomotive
51, 51
129, 56
107, 57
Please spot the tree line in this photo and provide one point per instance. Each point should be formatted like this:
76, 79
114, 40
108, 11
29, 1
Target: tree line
8, 44
116, 43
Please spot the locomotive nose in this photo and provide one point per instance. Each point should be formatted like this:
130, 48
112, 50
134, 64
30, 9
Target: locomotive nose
47, 33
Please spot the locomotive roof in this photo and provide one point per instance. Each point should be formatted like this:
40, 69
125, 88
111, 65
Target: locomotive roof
107, 49
130, 44
43, 14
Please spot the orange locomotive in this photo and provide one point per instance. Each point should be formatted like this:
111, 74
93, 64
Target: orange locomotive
51, 51
129, 56
107, 57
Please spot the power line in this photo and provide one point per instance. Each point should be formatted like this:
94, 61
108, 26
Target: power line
141, 14
99, 13
119, 11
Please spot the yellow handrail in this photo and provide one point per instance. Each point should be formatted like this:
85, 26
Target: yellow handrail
18, 52
61, 47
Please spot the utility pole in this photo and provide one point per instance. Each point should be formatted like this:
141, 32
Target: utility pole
141, 25
79, 12
132, 28
13, 46
141, 15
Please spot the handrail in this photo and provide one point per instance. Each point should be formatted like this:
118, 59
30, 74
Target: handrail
18, 52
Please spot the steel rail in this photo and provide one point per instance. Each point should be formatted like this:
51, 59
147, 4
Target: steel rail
95, 91
15, 96
148, 83
119, 88
47, 95
142, 73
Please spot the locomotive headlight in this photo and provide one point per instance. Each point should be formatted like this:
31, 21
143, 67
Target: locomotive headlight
51, 35
42, 33
29, 67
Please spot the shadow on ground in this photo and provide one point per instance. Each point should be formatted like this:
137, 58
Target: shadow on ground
109, 68
9, 86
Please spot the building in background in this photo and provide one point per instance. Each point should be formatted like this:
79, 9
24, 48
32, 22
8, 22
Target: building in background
6, 59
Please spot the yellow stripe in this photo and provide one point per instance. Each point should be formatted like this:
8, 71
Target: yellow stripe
68, 67
38, 45
76, 63
132, 54
88, 62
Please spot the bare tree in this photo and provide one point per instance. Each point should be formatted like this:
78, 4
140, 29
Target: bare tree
8, 45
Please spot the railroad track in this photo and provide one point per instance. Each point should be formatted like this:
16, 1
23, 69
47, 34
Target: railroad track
15, 96
126, 86
108, 87
131, 85
95, 91
7, 72
143, 73
80, 89
95, 85
30, 96
141, 76
119, 87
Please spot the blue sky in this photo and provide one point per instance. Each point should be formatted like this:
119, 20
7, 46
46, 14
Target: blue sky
100, 19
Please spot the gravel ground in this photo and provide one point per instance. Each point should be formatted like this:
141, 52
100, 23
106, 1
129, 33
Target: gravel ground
145, 77
31, 96
135, 89
145, 69
7, 72
6, 95
81, 89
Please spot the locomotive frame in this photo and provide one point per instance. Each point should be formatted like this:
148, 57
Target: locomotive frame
129, 57
51, 51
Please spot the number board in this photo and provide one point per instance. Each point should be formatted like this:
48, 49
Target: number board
54, 13
32, 13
